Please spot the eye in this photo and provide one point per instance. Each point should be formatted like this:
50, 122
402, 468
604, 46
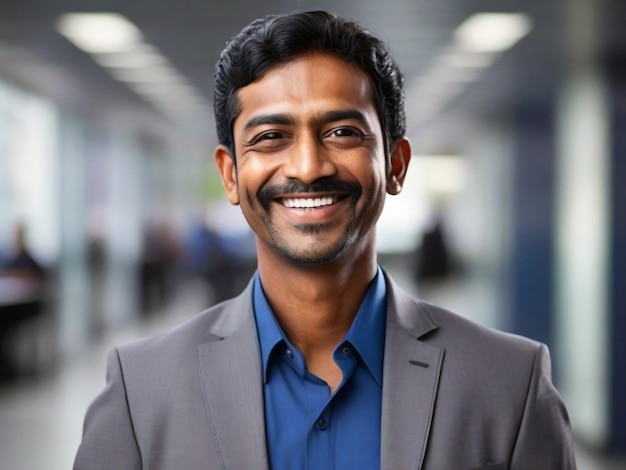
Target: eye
345, 132
269, 135
344, 137
268, 141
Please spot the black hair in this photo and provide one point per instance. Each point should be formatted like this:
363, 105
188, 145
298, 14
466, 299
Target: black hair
277, 39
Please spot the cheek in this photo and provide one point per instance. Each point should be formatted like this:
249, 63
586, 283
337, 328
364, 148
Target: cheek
377, 180
379, 187
255, 172
373, 197
252, 178
248, 183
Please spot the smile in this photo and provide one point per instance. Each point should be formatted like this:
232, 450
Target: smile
309, 203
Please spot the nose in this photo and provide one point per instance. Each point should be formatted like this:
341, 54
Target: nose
308, 160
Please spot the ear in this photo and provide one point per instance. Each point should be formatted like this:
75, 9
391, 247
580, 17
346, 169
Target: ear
225, 164
399, 163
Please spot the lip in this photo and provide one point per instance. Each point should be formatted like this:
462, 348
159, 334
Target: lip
310, 207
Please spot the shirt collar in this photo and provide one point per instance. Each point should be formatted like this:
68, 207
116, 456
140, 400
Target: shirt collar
269, 332
366, 335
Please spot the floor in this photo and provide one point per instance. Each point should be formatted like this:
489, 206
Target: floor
45, 415
41, 420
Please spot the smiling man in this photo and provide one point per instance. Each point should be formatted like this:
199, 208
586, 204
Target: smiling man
323, 362
310, 174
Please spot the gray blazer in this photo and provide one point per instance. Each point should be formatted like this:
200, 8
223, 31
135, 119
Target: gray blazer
456, 396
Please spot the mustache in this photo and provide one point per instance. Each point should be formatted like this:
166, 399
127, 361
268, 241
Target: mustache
322, 185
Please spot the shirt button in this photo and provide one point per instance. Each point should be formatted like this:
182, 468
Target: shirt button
321, 424
289, 353
346, 350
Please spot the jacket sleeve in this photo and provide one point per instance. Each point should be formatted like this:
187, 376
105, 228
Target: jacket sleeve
544, 439
108, 437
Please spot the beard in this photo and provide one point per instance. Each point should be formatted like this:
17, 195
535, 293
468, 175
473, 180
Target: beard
312, 253
312, 250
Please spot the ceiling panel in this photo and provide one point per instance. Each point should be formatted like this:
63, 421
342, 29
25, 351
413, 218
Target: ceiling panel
191, 33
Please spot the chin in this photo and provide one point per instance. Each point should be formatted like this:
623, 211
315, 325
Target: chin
316, 256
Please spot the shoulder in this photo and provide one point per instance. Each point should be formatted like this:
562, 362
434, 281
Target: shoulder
475, 357
449, 330
480, 364
494, 390
458, 333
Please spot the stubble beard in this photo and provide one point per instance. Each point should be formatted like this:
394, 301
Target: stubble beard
313, 251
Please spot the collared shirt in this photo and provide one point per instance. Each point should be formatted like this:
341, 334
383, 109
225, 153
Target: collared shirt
307, 428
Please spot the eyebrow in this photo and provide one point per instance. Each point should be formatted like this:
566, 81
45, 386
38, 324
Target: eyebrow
268, 119
284, 119
346, 114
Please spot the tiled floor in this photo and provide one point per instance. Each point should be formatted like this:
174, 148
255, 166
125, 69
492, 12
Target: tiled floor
41, 421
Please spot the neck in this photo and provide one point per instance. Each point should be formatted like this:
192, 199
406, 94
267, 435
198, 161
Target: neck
315, 306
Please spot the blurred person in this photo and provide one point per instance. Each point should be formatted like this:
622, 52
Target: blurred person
22, 262
323, 361
23, 297
433, 260
160, 255
206, 258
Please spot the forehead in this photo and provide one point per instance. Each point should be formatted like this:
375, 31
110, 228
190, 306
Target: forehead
305, 85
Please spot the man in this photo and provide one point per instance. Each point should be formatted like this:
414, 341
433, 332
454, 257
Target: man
322, 362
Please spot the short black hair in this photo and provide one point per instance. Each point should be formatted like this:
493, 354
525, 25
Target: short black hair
276, 39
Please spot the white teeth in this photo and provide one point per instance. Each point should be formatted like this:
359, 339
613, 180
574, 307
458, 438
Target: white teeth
308, 203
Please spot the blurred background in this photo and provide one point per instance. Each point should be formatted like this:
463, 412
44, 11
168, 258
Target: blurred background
113, 224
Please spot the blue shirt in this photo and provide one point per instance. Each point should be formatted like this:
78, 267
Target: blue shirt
307, 428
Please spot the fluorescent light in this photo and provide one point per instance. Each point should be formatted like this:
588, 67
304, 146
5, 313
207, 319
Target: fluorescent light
162, 88
441, 76
159, 74
116, 44
460, 58
143, 55
99, 32
492, 32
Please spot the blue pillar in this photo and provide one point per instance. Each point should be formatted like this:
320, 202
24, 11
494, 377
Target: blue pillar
617, 237
532, 222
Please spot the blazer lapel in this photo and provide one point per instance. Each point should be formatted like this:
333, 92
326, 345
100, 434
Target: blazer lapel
230, 373
411, 377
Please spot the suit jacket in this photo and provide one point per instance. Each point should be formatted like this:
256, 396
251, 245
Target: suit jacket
456, 395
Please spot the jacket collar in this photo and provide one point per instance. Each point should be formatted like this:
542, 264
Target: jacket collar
410, 380
232, 381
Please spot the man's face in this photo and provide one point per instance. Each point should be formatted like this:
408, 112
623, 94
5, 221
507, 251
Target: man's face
310, 175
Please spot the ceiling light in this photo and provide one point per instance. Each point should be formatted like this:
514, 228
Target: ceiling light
99, 32
143, 55
116, 44
461, 58
162, 88
443, 75
492, 32
159, 74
